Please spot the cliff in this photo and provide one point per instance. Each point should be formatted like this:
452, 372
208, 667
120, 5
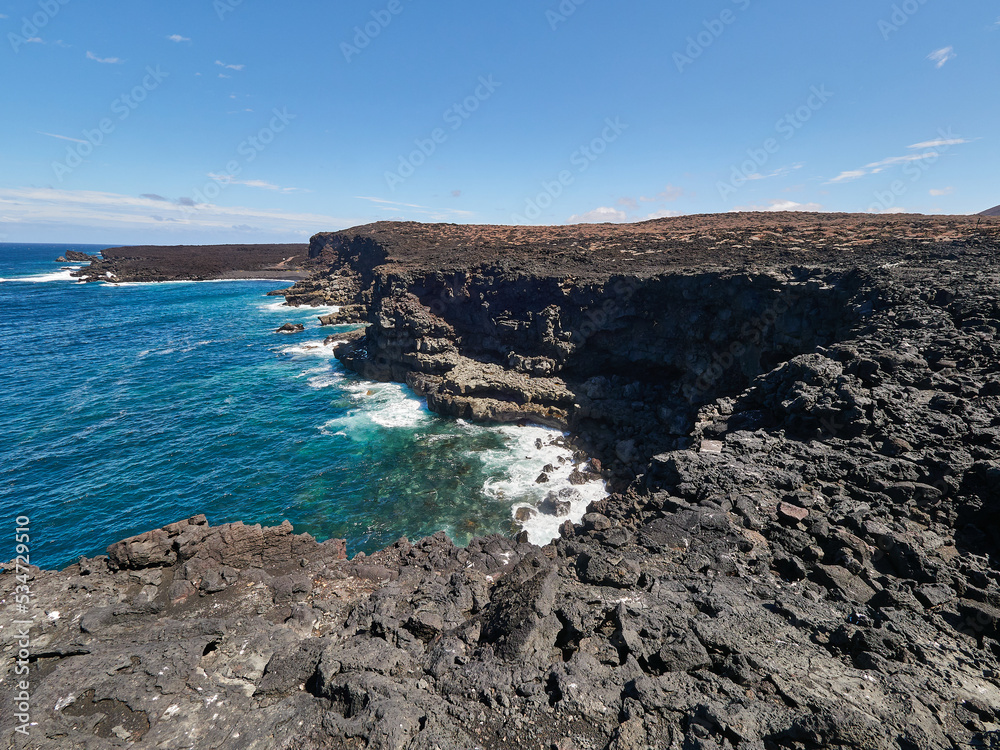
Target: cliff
800, 415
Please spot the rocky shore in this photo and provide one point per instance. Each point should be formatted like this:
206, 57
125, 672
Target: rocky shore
800, 418
194, 263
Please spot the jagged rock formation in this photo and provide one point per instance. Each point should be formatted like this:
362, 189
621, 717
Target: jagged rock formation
74, 256
803, 555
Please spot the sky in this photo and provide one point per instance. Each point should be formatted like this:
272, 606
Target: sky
206, 121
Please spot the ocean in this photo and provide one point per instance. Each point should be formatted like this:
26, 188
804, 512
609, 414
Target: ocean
128, 407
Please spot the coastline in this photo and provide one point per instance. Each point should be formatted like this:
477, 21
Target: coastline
824, 478
199, 263
178, 333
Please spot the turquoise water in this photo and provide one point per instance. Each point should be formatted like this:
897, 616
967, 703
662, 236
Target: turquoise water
124, 408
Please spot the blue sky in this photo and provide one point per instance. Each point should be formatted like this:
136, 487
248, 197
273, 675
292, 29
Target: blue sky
243, 121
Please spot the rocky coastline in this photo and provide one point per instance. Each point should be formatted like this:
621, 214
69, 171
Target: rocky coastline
798, 415
193, 263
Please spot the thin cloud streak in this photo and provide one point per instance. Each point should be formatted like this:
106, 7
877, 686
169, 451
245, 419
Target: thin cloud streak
61, 137
262, 184
112, 211
880, 166
941, 56
106, 60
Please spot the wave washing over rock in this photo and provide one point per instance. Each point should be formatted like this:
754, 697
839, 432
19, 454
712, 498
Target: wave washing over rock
800, 418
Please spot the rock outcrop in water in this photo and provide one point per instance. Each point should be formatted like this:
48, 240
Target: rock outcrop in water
74, 256
802, 417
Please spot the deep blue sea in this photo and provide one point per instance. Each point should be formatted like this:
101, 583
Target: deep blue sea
125, 408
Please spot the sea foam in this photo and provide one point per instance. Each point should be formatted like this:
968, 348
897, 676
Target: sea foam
281, 307
311, 349
517, 469
64, 274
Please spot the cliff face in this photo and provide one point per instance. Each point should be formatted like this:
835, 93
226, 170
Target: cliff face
803, 553
617, 333
625, 363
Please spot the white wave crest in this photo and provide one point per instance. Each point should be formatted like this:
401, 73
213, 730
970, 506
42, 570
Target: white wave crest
43, 278
516, 470
311, 349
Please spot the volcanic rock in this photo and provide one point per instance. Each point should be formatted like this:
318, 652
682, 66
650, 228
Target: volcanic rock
827, 578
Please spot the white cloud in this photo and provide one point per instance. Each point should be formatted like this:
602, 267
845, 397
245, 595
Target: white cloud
879, 166
780, 172
663, 214
228, 179
940, 56
61, 137
780, 205
944, 191
109, 60
383, 201
893, 210
112, 211
849, 176
229, 67
599, 216
941, 142
670, 193
436, 214
178, 38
